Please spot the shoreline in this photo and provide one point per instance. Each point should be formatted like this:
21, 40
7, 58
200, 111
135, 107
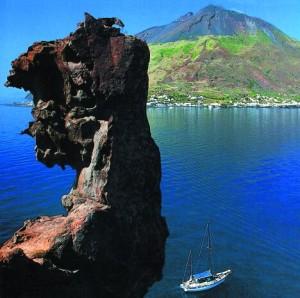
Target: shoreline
257, 101
219, 105
18, 105
214, 105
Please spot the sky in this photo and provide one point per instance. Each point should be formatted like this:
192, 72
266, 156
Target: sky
23, 22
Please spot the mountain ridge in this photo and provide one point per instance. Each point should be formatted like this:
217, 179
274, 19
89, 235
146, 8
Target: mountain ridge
225, 53
210, 20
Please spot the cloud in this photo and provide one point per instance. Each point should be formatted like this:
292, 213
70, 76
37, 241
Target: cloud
238, 10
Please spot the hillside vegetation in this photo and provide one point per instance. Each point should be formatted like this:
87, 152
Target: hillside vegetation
227, 66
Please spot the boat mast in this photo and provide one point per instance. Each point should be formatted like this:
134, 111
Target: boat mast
209, 247
189, 262
191, 269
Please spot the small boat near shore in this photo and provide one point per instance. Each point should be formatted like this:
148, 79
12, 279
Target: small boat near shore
198, 282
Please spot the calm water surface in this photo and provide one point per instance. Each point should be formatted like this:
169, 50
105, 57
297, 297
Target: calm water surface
237, 168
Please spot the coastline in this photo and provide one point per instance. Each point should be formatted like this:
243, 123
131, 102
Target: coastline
258, 101
166, 102
220, 105
204, 105
18, 104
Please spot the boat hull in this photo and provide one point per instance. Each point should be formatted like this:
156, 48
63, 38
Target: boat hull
193, 287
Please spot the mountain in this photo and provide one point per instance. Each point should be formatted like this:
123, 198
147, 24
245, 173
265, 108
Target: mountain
221, 51
211, 20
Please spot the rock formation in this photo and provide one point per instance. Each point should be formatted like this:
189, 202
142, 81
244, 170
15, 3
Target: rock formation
90, 92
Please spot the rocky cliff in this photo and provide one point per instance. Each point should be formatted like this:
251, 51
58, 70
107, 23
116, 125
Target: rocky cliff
90, 92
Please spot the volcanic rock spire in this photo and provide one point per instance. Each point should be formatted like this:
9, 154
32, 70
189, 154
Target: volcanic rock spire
90, 92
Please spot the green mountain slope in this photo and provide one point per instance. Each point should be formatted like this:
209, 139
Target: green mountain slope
226, 65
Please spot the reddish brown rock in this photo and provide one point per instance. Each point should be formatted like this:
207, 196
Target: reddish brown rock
90, 92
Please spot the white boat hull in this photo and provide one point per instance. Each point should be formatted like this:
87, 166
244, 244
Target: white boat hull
191, 286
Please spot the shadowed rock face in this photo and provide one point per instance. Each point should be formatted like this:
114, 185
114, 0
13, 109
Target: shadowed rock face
90, 92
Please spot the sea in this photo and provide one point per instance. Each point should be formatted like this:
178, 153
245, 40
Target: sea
235, 168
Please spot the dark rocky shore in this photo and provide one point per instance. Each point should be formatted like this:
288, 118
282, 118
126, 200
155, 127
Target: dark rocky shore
90, 92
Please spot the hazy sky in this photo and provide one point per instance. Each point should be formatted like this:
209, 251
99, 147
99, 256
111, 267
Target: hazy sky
25, 21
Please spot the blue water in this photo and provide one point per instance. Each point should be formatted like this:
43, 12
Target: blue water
237, 168
27, 187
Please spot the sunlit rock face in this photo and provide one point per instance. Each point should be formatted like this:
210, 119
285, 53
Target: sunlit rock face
90, 92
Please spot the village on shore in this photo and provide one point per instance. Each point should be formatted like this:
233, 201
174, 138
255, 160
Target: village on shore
257, 101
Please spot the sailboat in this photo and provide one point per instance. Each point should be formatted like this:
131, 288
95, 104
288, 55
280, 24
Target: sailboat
206, 280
